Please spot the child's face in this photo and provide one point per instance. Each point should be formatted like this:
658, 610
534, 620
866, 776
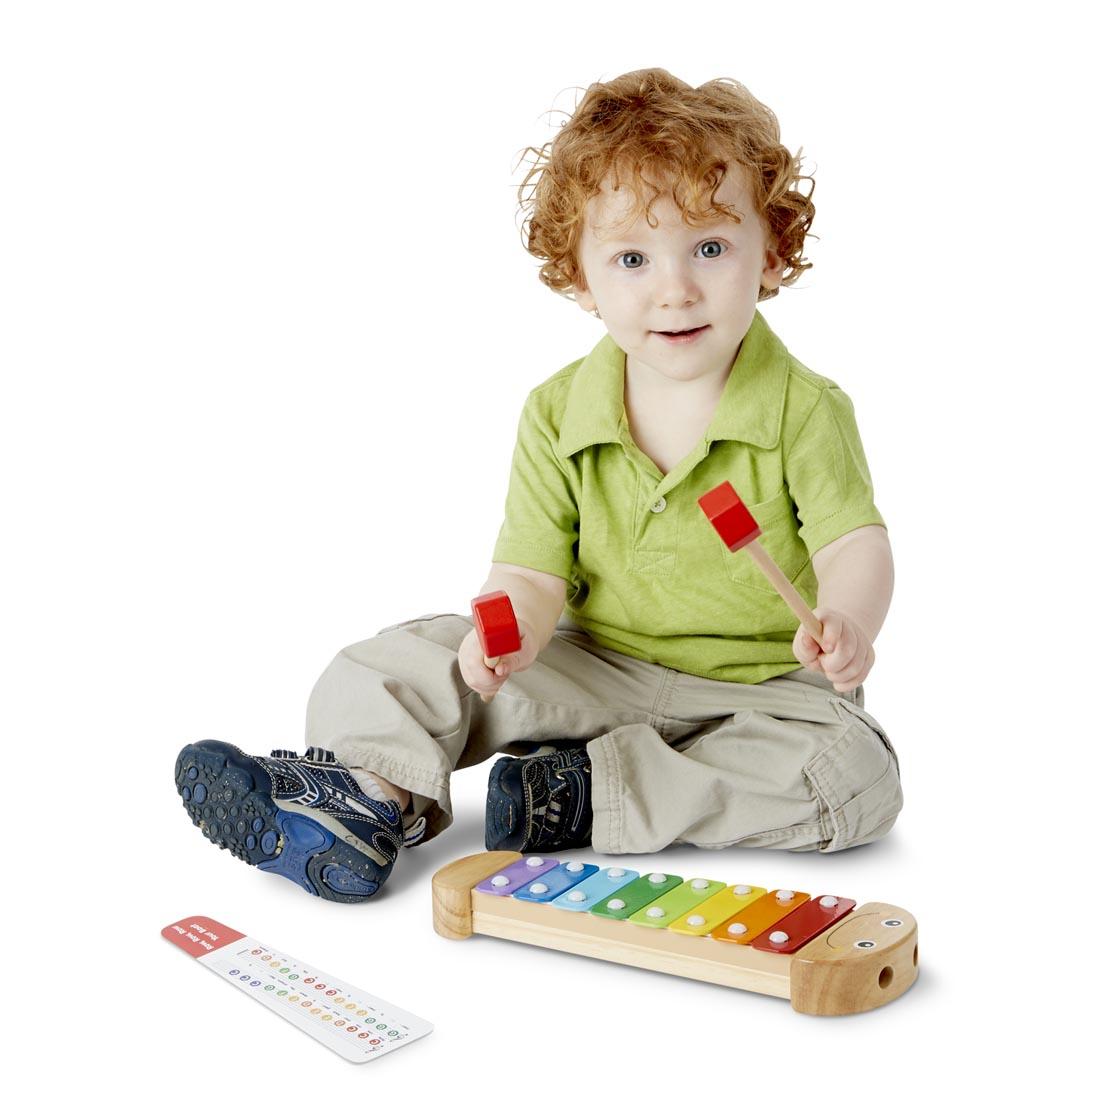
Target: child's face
649, 283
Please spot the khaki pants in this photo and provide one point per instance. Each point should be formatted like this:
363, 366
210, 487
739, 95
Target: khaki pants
676, 758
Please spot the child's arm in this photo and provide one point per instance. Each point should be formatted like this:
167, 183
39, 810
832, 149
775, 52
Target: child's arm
537, 600
855, 580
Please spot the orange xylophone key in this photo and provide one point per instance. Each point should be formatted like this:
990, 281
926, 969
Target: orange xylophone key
798, 928
760, 916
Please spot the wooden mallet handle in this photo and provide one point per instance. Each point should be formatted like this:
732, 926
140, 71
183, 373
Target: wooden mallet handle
737, 529
497, 629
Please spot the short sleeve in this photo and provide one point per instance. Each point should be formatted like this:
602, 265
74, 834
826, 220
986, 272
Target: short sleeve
827, 475
541, 519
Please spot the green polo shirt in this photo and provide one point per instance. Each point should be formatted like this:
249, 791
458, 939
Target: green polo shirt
647, 575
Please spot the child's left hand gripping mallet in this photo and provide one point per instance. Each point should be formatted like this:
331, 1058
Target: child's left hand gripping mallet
737, 529
497, 629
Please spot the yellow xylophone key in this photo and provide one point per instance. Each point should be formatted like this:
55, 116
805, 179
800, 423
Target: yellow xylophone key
705, 917
760, 916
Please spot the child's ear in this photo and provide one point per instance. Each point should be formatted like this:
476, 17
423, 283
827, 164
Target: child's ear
772, 274
584, 299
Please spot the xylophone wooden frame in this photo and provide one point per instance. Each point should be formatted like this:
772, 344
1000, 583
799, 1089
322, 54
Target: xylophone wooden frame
826, 977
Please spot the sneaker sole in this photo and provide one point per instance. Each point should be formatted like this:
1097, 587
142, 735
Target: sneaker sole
228, 796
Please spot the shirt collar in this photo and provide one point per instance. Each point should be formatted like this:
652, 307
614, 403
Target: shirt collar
750, 409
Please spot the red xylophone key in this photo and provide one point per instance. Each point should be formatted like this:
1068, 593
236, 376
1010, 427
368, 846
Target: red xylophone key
798, 928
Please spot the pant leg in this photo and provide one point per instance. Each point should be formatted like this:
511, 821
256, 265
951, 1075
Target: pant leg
396, 705
784, 764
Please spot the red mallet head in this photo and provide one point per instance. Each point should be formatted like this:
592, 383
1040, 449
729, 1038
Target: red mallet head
496, 625
731, 519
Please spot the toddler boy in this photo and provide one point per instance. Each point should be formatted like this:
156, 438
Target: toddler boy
675, 701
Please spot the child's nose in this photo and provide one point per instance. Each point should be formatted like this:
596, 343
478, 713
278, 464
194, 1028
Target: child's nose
676, 288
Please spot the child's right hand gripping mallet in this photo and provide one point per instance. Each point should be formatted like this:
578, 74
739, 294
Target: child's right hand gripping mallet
497, 629
734, 523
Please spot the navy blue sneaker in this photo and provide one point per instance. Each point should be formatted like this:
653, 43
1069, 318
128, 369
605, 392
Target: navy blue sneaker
302, 817
540, 803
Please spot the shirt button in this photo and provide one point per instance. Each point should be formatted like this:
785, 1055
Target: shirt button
660, 506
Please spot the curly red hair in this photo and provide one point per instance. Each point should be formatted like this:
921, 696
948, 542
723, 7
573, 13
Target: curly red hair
657, 135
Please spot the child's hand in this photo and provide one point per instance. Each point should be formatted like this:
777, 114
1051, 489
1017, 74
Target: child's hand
848, 654
487, 681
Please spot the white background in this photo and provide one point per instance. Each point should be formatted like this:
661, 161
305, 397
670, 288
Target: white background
267, 328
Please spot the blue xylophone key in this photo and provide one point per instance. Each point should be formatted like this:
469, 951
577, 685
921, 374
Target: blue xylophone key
556, 881
594, 889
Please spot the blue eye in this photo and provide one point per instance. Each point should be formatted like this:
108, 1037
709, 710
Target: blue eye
630, 260
710, 250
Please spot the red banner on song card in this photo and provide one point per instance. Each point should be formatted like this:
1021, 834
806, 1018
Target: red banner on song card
199, 936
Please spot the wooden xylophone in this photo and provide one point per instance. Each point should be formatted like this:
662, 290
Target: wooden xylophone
822, 954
